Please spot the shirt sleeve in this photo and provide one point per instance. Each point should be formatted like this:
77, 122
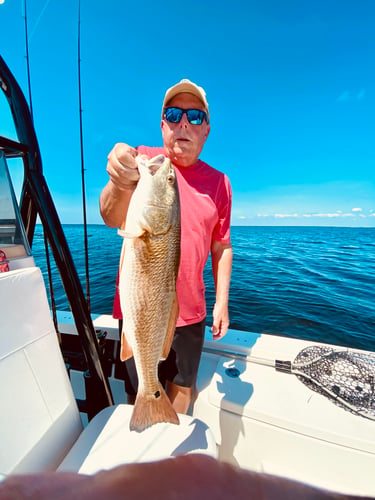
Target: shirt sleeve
221, 230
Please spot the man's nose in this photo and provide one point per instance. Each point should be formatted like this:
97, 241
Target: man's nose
184, 122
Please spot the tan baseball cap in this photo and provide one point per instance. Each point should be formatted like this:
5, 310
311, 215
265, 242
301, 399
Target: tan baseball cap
186, 85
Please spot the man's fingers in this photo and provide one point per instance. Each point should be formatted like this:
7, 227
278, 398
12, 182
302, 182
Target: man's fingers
215, 331
122, 166
123, 152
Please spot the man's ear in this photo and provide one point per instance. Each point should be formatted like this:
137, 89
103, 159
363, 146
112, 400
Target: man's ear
207, 131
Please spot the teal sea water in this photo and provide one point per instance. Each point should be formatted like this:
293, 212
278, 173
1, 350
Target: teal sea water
315, 283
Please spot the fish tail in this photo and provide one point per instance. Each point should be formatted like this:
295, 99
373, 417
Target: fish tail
149, 410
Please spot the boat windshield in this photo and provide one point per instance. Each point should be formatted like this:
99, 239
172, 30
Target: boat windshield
13, 242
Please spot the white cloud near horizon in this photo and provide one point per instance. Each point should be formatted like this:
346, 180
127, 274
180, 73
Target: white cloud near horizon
295, 215
355, 217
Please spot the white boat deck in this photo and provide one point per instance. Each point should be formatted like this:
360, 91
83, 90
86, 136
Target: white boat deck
270, 421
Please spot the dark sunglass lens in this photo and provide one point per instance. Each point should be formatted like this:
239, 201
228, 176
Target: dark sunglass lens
173, 115
195, 116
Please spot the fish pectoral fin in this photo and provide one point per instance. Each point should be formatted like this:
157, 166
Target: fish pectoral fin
126, 350
171, 328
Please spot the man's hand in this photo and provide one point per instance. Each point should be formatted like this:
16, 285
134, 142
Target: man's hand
220, 323
123, 177
122, 166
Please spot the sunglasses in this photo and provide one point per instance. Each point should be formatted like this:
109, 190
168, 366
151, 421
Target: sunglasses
194, 116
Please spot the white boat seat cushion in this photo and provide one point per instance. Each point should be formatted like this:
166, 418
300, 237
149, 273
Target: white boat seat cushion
107, 441
39, 419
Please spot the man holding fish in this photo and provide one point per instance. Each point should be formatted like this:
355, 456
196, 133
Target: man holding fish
192, 213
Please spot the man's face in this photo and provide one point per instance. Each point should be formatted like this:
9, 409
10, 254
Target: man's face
184, 141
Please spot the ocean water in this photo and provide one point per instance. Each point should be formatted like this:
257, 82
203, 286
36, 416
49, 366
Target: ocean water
315, 283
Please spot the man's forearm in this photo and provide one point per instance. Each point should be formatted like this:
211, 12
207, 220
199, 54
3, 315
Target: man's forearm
114, 204
222, 257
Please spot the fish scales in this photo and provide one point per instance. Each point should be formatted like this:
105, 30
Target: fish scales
148, 272
149, 304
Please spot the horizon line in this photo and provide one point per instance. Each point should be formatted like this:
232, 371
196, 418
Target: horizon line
232, 225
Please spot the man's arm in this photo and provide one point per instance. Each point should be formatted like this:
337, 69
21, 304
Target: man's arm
123, 177
221, 257
167, 479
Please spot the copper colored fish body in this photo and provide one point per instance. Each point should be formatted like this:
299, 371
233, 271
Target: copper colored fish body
148, 271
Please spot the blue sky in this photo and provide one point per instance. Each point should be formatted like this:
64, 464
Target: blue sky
291, 88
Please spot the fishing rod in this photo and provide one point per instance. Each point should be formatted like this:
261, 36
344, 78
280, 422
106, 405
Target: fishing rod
82, 162
28, 61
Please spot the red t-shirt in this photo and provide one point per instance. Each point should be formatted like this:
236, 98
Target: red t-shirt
206, 199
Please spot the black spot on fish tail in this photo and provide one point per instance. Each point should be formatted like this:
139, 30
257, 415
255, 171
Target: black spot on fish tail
151, 409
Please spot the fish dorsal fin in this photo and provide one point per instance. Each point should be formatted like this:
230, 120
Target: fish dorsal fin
126, 351
171, 328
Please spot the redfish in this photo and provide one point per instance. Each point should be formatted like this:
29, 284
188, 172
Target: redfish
149, 265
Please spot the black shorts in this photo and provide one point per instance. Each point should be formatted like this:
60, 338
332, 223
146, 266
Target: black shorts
182, 363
